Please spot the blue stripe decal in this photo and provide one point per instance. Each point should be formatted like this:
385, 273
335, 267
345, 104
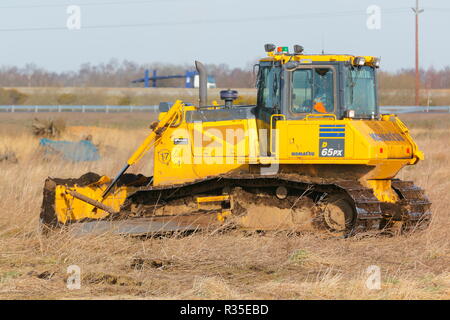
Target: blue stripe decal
332, 130
332, 135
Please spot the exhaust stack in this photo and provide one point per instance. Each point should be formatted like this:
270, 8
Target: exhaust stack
203, 84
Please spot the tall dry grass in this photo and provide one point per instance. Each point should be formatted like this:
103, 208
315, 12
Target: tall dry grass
233, 265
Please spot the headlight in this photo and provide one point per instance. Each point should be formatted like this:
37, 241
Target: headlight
349, 113
269, 47
359, 61
376, 62
291, 65
298, 49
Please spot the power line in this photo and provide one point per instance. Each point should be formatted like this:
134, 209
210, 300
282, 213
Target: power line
84, 4
210, 21
437, 9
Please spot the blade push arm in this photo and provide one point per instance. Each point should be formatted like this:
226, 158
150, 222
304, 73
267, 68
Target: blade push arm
148, 143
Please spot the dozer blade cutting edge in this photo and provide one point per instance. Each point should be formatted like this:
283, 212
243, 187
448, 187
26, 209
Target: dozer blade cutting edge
142, 226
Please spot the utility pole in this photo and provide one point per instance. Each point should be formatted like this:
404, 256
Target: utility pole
417, 11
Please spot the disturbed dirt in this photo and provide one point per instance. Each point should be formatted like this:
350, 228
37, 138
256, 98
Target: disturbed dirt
266, 212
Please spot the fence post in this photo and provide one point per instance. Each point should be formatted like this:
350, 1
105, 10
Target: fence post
35, 109
12, 109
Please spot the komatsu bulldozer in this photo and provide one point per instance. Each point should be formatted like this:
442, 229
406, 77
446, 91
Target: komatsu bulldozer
313, 154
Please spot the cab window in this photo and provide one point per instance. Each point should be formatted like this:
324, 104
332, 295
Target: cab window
360, 91
313, 90
269, 96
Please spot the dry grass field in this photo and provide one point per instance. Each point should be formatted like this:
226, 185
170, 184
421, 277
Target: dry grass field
116, 96
233, 265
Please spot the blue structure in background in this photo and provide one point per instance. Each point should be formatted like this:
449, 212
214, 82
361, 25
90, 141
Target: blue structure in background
189, 77
79, 151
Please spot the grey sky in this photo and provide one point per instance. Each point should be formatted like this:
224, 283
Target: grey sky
184, 30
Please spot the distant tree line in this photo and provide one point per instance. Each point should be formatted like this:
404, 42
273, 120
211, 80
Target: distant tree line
396, 88
405, 79
120, 74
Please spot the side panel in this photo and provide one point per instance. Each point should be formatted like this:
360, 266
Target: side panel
171, 154
341, 140
385, 139
200, 149
380, 146
309, 140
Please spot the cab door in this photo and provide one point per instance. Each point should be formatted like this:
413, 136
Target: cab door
312, 112
268, 105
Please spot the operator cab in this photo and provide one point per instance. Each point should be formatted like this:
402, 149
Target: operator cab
296, 85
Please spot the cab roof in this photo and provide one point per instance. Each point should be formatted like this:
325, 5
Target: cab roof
312, 58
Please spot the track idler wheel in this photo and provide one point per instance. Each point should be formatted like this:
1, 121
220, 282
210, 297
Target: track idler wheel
337, 214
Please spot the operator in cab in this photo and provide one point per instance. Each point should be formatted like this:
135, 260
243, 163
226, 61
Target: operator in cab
322, 101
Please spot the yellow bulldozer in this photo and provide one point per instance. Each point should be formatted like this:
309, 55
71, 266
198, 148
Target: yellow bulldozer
313, 154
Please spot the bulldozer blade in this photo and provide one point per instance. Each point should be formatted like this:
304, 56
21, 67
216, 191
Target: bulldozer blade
70, 200
144, 226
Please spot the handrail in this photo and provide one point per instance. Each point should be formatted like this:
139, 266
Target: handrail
325, 115
271, 129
